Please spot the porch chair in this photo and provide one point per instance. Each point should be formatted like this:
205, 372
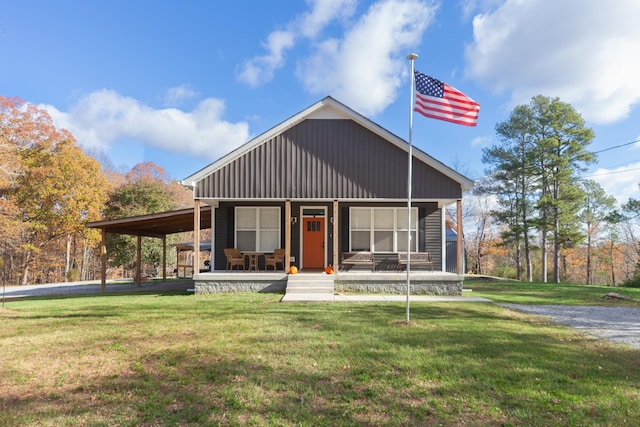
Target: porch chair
234, 257
275, 259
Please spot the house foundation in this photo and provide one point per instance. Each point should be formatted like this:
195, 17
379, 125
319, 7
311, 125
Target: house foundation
422, 283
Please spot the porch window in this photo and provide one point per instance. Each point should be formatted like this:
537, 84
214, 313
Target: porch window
258, 228
382, 229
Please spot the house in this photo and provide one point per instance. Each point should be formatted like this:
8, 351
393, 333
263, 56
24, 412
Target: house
326, 182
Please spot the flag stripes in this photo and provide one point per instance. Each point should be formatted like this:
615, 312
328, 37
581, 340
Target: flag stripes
438, 100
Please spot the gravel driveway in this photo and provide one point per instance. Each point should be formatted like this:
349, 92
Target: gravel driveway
91, 287
616, 324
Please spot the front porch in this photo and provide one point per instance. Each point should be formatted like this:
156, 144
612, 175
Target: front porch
421, 282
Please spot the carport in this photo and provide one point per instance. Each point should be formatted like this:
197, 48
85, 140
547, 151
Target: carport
157, 225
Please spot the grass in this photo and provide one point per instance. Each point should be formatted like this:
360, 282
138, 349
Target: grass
550, 293
246, 359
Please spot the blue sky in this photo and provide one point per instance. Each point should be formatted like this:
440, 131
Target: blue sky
181, 83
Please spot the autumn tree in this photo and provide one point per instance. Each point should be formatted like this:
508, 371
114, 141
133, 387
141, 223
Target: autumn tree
597, 208
50, 189
479, 232
147, 190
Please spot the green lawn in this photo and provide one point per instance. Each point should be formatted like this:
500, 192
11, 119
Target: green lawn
549, 293
246, 359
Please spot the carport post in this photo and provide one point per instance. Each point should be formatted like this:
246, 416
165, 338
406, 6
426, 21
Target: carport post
103, 261
164, 258
138, 279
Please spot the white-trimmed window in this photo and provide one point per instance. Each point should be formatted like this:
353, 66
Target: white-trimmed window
382, 229
258, 228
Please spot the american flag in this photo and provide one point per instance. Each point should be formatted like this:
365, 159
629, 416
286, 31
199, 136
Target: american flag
438, 100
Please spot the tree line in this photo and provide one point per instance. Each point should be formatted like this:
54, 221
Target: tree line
533, 206
49, 190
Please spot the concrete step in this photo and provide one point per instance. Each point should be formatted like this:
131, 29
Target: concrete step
304, 297
310, 284
310, 290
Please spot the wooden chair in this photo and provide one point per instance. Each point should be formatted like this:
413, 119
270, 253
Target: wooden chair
275, 259
234, 257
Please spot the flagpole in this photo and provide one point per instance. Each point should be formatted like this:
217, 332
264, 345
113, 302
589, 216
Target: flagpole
411, 57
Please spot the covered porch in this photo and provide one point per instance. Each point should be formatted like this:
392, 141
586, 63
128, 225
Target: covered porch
317, 234
390, 279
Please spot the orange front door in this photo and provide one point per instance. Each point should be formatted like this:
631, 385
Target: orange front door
313, 243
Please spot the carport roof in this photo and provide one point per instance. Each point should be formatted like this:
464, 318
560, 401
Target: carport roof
155, 225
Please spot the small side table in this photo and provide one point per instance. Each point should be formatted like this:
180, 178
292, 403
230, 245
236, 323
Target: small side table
253, 260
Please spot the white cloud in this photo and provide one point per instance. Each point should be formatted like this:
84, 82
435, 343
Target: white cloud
260, 69
621, 183
584, 51
178, 95
481, 141
102, 117
366, 67
322, 13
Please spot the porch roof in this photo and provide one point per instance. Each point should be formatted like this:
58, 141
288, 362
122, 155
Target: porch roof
155, 225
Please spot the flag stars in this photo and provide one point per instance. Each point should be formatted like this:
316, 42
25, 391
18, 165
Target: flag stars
429, 86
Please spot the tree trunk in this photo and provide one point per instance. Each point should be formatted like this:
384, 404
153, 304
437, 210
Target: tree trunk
589, 278
543, 247
525, 226
87, 255
518, 262
67, 258
556, 248
25, 270
613, 269
556, 231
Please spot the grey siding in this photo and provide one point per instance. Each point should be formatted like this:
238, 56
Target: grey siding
325, 159
433, 235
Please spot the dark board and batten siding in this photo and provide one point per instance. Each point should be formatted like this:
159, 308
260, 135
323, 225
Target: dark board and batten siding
325, 159
429, 231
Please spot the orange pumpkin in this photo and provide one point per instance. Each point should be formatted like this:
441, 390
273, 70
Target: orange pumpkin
329, 270
293, 270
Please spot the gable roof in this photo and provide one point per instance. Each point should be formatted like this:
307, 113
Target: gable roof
328, 108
